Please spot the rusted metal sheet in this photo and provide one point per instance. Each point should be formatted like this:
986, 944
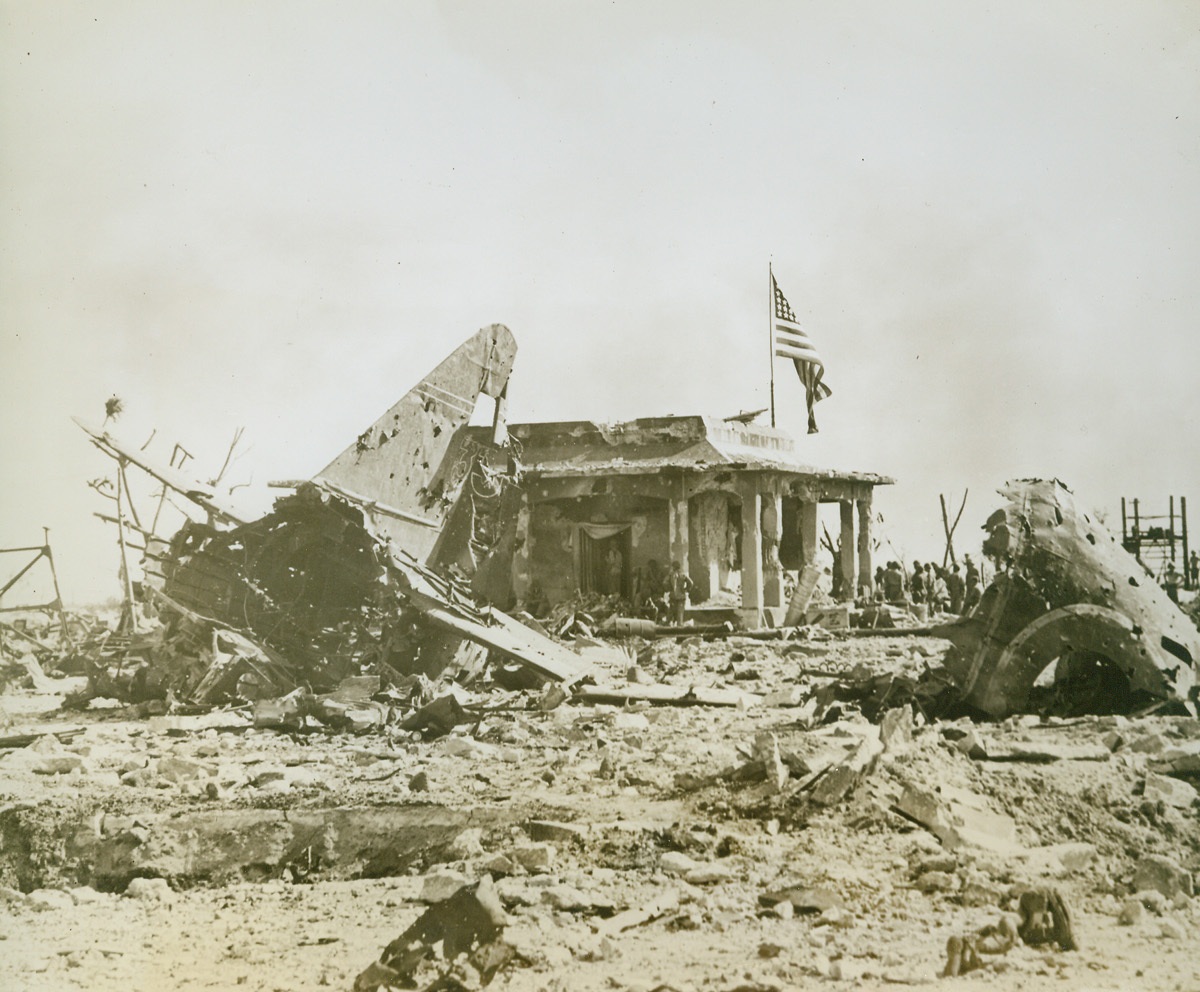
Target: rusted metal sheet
1067, 592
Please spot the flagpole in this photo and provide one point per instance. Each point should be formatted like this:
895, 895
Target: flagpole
771, 333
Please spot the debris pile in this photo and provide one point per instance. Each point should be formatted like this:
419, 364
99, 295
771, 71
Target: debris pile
571, 790
788, 837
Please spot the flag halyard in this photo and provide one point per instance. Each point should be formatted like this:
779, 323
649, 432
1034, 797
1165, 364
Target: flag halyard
792, 342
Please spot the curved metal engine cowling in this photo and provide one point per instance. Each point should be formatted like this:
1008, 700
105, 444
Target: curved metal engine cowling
1066, 585
1076, 629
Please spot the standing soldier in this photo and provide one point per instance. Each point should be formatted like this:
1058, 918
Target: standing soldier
916, 585
678, 585
893, 583
1171, 582
973, 595
957, 589
972, 572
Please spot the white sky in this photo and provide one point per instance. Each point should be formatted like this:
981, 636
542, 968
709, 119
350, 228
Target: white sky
281, 215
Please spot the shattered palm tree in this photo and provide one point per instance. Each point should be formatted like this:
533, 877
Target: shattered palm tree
1066, 592
353, 570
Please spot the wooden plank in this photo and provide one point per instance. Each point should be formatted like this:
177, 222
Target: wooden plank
667, 695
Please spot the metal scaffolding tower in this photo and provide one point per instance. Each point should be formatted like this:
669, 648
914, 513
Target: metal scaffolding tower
1158, 540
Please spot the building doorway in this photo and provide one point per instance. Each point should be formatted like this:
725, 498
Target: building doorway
604, 552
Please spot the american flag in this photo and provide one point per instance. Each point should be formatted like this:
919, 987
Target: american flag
791, 342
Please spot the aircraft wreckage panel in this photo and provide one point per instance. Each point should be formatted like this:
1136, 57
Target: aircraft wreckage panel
1068, 592
339, 577
408, 467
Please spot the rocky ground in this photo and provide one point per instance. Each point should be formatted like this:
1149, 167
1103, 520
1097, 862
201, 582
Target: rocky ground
782, 843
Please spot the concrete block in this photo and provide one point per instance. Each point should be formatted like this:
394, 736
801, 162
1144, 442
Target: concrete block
442, 883
1172, 791
534, 857
1162, 874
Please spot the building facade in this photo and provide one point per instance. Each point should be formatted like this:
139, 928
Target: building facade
601, 505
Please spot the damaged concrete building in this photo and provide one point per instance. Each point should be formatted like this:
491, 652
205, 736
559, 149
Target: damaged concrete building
600, 506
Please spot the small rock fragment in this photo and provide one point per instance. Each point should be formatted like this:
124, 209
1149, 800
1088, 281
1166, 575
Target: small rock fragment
937, 881
676, 863
534, 857
709, 874
1132, 913
441, 884
1171, 929
47, 900
149, 890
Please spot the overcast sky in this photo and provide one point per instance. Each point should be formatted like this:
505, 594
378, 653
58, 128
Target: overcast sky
281, 215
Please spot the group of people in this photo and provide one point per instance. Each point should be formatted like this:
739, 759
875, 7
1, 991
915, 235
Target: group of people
944, 590
659, 594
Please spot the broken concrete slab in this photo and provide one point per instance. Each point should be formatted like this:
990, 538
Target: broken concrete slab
959, 819
191, 847
1044, 753
1179, 759
467, 922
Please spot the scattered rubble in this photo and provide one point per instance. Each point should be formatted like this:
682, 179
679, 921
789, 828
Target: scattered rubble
309, 717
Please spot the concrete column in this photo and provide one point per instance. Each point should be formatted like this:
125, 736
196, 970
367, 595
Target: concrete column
866, 573
709, 523
752, 571
808, 530
847, 539
677, 520
727, 546
522, 559
772, 524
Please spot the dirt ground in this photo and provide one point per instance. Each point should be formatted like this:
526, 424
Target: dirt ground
770, 845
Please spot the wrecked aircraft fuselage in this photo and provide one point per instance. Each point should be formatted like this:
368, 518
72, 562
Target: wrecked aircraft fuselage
1067, 592
359, 569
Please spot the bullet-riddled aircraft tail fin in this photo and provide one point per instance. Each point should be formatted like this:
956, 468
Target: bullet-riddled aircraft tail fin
409, 464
